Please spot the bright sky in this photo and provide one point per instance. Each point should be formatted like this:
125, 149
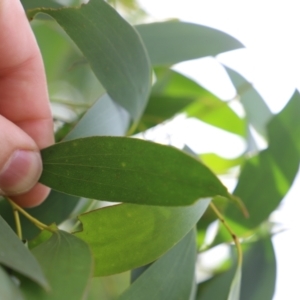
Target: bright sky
270, 30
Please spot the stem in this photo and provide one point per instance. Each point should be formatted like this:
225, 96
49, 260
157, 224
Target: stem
18, 223
234, 237
33, 220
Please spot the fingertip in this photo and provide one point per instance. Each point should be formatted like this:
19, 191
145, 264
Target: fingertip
32, 198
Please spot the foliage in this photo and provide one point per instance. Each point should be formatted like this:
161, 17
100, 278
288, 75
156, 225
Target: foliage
108, 81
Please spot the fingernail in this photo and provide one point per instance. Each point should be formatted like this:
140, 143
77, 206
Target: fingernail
21, 172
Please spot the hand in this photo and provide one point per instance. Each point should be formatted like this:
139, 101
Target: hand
25, 116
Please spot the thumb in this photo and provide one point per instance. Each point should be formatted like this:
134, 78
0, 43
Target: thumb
20, 160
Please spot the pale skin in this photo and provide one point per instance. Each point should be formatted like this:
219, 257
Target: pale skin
25, 116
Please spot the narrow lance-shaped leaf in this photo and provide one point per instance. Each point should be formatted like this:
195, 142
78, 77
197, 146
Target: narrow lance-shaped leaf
127, 236
170, 277
169, 43
256, 109
128, 170
100, 32
17, 257
68, 265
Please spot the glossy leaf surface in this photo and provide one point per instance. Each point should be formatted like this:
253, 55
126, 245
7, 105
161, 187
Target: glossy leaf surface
68, 265
128, 236
128, 170
99, 32
171, 42
170, 277
17, 257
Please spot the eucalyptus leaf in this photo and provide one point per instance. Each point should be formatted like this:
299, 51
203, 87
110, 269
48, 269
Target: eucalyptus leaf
172, 42
31, 4
17, 257
8, 288
68, 265
257, 112
174, 93
259, 271
130, 170
235, 287
104, 118
170, 277
100, 32
272, 171
258, 275
127, 236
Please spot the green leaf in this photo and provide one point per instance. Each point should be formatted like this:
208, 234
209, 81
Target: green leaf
174, 93
273, 171
128, 170
104, 118
169, 43
109, 287
55, 209
259, 271
100, 33
68, 265
8, 288
69, 76
30, 4
257, 112
258, 275
235, 287
17, 257
218, 164
170, 277
127, 236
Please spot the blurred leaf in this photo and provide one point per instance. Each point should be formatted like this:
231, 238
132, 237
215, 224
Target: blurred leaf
124, 74
8, 289
258, 275
128, 170
17, 257
30, 4
217, 113
67, 263
104, 118
109, 287
170, 277
69, 76
218, 164
55, 209
216, 288
259, 271
171, 42
235, 287
266, 178
174, 93
127, 236
257, 112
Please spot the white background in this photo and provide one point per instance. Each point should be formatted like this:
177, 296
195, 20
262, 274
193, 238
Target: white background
270, 30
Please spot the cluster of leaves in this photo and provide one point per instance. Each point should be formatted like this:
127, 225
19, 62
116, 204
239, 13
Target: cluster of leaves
99, 70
